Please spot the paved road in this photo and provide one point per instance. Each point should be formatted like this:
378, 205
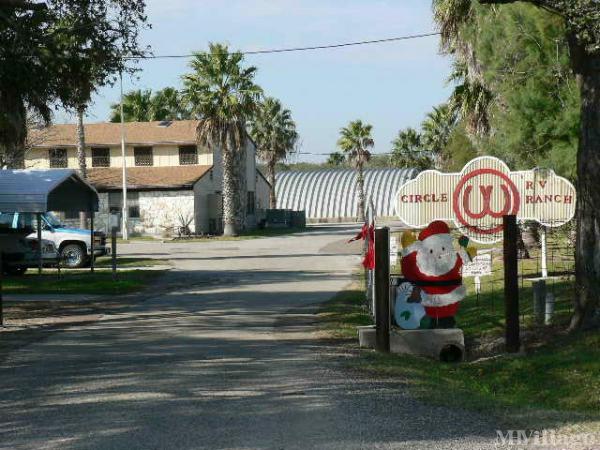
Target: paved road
225, 360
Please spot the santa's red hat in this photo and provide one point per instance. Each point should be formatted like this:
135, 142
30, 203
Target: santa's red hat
436, 227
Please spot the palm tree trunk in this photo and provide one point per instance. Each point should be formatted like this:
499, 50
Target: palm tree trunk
230, 190
360, 192
81, 157
271, 178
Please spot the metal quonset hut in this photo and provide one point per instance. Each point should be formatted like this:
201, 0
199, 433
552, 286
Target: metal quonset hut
329, 195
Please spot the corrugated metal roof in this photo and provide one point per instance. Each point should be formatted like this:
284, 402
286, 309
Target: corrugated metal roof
331, 193
41, 190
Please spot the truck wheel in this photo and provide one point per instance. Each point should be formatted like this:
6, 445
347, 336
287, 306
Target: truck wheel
73, 256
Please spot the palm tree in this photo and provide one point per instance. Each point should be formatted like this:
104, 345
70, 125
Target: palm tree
275, 135
223, 96
408, 151
336, 159
471, 98
355, 141
436, 130
137, 107
168, 104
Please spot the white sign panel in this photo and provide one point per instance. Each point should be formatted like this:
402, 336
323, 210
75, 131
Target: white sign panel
481, 266
393, 250
479, 196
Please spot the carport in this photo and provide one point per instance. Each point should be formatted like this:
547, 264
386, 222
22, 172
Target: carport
37, 191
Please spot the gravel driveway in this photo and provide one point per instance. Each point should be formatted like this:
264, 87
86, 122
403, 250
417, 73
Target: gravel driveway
226, 359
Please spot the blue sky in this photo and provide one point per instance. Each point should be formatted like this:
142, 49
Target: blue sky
389, 85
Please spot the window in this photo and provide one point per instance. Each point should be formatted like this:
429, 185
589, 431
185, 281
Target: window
143, 156
115, 202
6, 220
100, 157
133, 201
251, 203
58, 158
188, 154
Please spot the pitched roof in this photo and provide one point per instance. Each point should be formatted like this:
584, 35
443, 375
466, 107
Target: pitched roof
177, 177
108, 133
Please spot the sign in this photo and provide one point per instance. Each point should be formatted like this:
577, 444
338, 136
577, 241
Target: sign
485, 190
393, 250
481, 266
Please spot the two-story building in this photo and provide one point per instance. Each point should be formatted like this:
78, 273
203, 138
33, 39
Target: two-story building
171, 181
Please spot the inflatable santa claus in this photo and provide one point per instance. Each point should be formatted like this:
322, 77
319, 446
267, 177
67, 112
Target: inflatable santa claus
432, 269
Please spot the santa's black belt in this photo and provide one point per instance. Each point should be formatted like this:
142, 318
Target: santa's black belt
439, 283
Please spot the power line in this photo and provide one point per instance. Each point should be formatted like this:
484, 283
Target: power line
301, 49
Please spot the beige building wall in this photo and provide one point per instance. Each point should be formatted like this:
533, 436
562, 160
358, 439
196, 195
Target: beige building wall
163, 156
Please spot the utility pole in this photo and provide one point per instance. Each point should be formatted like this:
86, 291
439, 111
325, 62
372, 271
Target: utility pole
124, 232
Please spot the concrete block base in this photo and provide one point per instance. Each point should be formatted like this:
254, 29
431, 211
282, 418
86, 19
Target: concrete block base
366, 336
440, 344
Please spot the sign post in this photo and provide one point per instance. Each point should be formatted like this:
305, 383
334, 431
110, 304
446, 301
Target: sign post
382, 289
511, 284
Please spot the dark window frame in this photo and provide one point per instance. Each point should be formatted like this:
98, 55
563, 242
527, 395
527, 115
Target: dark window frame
143, 156
251, 203
188, 155
58, 162
103, 160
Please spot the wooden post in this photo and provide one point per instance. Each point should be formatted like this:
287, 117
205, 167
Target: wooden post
92, 241
382, 289
39, 238
113, 251
511, 284
1, 298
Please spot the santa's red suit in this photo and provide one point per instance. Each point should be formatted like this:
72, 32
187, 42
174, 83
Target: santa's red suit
440, 294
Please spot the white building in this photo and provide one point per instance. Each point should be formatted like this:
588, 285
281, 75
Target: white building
170, 180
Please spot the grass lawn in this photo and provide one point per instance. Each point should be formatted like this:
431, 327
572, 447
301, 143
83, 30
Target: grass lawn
98, 283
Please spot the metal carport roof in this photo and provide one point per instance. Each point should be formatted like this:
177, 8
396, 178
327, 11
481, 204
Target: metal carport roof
41, 190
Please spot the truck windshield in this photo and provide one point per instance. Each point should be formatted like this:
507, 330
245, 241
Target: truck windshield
53, 220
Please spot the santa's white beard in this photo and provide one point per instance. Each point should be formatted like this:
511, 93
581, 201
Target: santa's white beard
436, 255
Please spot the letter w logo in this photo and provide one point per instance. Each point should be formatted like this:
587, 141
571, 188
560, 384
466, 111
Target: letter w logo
486, 194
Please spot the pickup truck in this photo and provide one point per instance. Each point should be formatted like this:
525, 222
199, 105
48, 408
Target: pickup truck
74, 245
19, 252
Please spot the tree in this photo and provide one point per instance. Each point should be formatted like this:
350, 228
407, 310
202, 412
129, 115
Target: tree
223, 96
356, 141
581, 19
137, 107
59, 51
408, 151
435, 133
336, 159
275, 135
146, 106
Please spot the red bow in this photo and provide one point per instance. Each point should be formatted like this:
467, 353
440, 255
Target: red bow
367, 232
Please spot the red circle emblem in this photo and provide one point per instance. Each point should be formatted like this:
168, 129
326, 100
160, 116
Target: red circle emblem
462, 196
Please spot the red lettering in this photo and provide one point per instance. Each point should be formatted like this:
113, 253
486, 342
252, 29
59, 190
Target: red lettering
543, 183
558, 199
529, 199
568, 199
427, 198
444, 198
547, 199
418, 198
529, 185
404, 198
